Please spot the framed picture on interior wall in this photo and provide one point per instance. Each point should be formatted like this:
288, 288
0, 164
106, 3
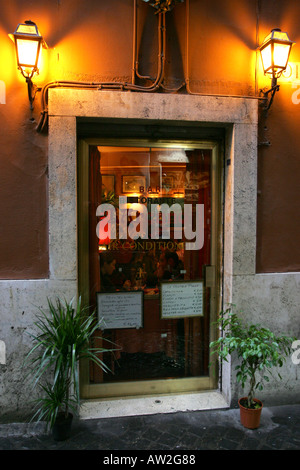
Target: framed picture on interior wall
167, 184
178, 180
108, 183
133, 184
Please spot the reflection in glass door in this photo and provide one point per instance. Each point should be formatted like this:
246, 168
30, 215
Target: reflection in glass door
151, 238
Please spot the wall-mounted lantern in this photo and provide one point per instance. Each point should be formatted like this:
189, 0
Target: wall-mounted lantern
275, 51
28, 43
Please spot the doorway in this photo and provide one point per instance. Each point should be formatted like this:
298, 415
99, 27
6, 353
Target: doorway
151, 264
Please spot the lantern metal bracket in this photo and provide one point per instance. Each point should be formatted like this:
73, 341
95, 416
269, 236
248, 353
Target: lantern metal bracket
274, 88
32, 91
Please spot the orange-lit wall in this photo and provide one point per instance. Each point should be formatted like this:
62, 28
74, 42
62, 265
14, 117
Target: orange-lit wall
91, 40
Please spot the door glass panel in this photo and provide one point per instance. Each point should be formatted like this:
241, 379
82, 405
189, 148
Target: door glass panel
143, 244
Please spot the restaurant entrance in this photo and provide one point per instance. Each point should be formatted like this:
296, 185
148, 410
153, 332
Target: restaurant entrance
149, 263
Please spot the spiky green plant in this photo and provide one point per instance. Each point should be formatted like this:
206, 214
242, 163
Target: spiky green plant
63, 338
56, 398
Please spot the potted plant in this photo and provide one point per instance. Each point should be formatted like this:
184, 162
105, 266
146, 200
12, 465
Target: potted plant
259, 350
63, 338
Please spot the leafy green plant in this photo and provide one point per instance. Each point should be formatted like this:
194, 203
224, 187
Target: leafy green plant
108, 197
163, 6
63, 338
258, 350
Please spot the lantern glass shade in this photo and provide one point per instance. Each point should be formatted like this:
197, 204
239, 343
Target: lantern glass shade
275, 52
28, 42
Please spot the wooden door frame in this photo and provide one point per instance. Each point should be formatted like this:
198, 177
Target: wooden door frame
149, 387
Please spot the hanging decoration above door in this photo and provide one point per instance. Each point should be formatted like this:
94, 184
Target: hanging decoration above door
163, 6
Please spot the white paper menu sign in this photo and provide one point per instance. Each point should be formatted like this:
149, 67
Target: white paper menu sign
181, 299
120, 309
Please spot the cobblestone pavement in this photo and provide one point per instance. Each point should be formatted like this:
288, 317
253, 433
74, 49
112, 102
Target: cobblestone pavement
182, 431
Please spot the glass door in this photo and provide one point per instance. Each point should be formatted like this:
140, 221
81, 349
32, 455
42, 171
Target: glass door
149, 265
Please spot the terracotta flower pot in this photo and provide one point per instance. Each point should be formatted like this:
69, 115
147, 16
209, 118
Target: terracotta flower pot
250, 417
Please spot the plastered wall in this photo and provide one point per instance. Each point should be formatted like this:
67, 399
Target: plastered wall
215, 51
93, 41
